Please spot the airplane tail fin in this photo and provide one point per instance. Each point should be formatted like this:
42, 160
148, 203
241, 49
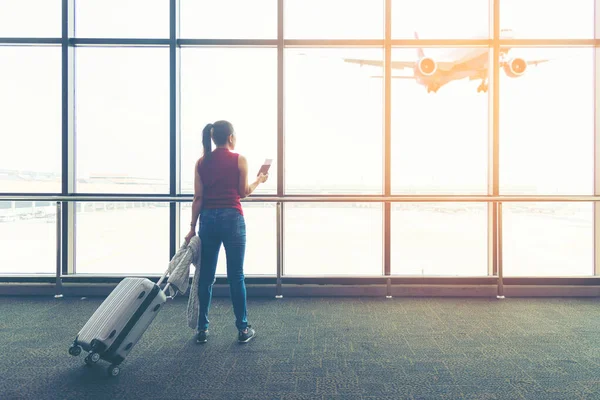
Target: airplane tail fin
420, 51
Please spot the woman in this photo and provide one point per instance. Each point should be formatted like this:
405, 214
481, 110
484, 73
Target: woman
221, 180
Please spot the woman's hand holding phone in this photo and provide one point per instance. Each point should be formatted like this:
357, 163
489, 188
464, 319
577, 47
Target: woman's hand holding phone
263, 172
262, 178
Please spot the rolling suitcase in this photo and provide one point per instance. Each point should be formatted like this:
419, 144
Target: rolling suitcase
119, 322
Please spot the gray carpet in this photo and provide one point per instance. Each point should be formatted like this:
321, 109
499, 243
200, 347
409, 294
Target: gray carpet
340, 348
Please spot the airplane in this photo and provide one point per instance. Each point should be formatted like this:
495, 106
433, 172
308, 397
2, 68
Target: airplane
465, 63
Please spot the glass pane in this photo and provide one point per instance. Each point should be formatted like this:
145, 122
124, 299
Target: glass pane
548, 19
333, 239
334, 19
261, 238
122, 18
333, 122
25, 226
548, 239
547, 124
229, 19
440, 19
214, 87
30, 18
30, 100
122, 238
122, 124
439, 138
443, 239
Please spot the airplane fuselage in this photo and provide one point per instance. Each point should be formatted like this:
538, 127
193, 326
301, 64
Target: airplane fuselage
462, 63
469, 63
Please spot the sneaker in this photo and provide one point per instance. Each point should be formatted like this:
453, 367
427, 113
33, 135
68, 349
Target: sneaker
245, 335
201, 336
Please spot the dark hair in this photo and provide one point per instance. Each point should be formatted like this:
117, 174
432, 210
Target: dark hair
218, 132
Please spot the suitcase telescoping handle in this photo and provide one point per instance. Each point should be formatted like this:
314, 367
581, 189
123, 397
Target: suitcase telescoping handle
160, 281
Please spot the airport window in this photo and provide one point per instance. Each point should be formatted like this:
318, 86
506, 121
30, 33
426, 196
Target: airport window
547, 122
30, 18
122, 124
333, 122
333, 239
23, 227
122, 18
560, 19
229, 19
440, 19
334, 19
548, 239
547, 148
30, 126
113, 238
261, 238
439, 122
211, 82
442, 128
439, 239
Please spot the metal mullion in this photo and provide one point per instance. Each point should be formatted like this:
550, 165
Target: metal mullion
58, 278
547, 42
68, 155
473, 43
469, 43
30, 41
174, 127
228, 42
330, 279
280, 216
96, 197
500, 283
596, 138
387, 147
114, 42
495, 96
378, 43
492, 209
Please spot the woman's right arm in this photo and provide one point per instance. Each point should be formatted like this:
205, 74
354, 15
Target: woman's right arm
198, 192
245, 190
196, 204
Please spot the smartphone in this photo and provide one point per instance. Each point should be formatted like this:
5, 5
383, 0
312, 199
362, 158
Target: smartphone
264, 169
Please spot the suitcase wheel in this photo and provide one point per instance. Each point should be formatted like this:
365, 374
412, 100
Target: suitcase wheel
74, 350
113, 370
92, 358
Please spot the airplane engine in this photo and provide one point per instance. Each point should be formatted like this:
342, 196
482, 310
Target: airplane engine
426, 66
515, 67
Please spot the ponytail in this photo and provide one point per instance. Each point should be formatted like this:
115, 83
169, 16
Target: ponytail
219, 133
207, 140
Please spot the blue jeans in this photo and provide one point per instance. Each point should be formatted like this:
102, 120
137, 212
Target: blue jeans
227, 226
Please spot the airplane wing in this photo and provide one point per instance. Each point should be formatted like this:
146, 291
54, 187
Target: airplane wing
377, 63
482, 72
536, 62
464, 69
442, 65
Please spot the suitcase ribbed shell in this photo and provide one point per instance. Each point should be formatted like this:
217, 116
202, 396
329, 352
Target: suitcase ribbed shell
114, 314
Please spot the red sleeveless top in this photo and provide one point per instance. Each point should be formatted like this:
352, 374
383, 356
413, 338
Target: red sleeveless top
220, 180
